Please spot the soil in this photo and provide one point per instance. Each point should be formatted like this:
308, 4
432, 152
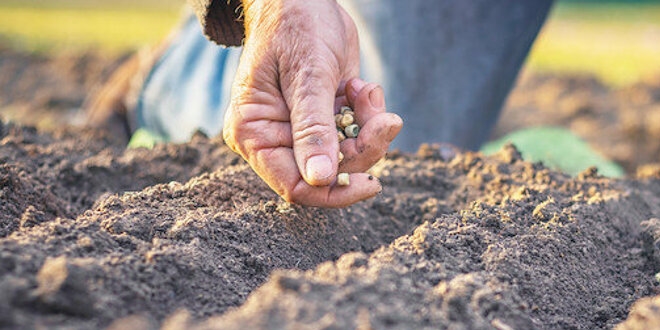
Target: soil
186, 236
48, 92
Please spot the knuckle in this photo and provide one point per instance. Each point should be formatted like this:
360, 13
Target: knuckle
313, 134
313, 70
229, 138
235, 138
246, 92
310, 63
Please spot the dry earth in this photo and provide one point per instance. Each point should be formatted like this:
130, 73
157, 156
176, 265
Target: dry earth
187, 236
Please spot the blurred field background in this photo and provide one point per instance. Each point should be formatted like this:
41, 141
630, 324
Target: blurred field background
618, 41
46, 26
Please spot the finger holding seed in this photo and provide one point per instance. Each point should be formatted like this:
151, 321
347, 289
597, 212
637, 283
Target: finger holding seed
343, 179
377, 129
348, 181
360, 184
367, 103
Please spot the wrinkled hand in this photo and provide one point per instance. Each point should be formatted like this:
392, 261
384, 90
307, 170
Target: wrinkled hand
295, 72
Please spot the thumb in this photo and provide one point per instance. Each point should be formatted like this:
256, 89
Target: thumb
315, 144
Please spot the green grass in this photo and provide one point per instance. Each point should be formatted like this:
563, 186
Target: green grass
113, 29
148, 4
619, 43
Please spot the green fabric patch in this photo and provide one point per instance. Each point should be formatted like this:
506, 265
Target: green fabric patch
557, 148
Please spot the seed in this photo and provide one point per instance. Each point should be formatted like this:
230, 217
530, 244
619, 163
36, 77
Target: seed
345, 109
341, 156
352, 131
338, 118
341, 136
346, 120
343, 179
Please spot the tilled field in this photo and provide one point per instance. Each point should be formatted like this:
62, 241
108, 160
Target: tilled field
187, 236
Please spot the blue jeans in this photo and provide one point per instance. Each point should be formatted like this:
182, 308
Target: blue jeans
446, 67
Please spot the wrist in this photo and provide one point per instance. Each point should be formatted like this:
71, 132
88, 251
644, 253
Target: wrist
266, 15
254, 13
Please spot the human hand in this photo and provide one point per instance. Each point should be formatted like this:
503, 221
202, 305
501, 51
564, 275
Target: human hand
294, 74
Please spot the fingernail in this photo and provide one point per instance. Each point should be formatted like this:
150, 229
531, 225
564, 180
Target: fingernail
356, 86
377, 98
318, 168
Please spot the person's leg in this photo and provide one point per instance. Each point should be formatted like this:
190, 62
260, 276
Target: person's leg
446, 66
188, 87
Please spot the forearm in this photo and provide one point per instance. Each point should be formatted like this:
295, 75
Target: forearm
222, 20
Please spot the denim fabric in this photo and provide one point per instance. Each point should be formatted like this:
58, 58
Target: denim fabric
188, 87
446, 67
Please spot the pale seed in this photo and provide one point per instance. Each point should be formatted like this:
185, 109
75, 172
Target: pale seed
352, 131
343, 179
338, 118
341, 156
341, 136
346, 120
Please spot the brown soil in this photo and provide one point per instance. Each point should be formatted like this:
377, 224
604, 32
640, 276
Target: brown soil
187, 236
48, 91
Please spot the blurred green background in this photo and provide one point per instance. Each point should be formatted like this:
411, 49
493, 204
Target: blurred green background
619, 41
74, 25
